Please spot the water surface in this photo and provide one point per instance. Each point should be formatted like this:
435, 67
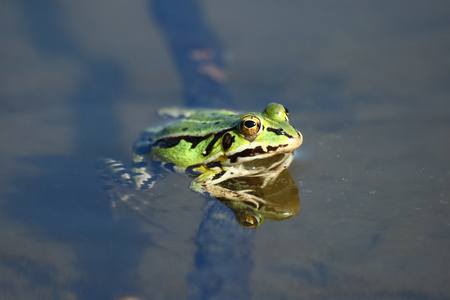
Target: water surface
367, 83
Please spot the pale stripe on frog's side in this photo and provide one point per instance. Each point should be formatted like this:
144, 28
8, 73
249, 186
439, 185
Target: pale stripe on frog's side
214, 146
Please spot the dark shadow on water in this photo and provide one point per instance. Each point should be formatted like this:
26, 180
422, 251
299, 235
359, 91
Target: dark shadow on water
196, 50
223, 261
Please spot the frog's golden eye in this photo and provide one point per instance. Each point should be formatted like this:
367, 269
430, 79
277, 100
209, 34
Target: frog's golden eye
250, 125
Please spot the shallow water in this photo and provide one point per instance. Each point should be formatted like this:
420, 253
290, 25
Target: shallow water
367, 83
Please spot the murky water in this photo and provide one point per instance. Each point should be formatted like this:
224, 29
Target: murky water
367, 83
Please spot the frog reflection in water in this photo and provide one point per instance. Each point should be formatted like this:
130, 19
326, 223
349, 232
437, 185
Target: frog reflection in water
215, 146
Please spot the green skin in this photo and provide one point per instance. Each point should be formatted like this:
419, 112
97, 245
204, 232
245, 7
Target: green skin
216, 145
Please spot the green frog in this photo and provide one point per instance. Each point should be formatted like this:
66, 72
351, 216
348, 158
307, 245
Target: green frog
214, 146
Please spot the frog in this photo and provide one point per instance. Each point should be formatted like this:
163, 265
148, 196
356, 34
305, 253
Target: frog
213, 146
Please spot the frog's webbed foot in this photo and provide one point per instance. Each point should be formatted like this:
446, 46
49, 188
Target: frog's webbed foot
114, 172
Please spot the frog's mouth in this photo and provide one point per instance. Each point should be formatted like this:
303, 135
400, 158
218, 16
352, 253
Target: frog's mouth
262, 151
259, 153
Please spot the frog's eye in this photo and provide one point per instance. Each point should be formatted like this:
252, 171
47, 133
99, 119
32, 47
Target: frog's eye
250, 125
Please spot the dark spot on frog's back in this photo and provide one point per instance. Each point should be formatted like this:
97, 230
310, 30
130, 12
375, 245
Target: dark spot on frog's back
227, 141
167, 143
174, 141
211, 144
216, 137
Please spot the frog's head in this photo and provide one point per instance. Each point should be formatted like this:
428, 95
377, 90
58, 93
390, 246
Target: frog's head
264, 134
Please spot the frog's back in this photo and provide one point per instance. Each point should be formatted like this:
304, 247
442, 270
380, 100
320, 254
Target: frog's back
200, 123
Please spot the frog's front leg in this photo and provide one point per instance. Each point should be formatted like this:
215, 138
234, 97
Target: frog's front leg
204, 184
114, 171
